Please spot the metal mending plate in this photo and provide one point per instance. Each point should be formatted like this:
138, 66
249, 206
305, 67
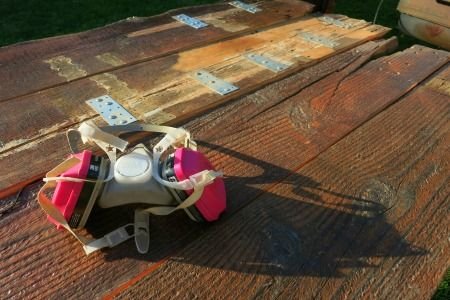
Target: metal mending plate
318, 39
111, 111
266, 62
193, 22
216, 84
336, 22
245, 6
342, 22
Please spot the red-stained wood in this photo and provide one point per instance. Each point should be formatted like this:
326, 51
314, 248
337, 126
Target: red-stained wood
161, 90
254, 153
20, 247
368, 218
36, 65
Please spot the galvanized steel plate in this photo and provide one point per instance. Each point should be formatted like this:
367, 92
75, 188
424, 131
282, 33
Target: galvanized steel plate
111, 111
318, 39
266, 62
193, 22
245, 6
214, 83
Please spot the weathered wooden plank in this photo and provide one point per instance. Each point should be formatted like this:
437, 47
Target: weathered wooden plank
368, 218
36, 65
254, 154
21, 247
163, 90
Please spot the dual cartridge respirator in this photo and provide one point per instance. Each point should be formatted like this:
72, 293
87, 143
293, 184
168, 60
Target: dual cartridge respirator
174, 176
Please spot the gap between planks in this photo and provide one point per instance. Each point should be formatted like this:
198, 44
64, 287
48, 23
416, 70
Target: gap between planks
242, 71
110, 50
220, 56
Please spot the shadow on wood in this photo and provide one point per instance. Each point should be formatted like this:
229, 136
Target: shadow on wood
280, 236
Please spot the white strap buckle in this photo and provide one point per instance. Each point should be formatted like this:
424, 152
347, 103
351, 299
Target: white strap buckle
110, 240
204, 177
119, 235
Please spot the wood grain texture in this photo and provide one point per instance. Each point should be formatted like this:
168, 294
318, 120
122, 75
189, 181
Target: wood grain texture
368, 218
37, 65
162, 90
254, 153
21, 247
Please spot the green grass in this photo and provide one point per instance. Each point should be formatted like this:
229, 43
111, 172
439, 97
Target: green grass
22, 20
443, 291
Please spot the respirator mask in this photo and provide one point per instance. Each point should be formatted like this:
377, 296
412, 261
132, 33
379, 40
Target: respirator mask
173, 176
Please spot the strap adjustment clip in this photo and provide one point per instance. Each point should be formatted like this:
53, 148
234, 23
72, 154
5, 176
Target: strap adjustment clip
119, 235
204, 178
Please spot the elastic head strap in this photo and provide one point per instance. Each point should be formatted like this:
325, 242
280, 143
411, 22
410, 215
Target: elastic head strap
166, 210
175, 137
111, 239
48, 206
52, 175
54, 212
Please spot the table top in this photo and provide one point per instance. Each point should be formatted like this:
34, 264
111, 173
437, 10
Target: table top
336, 169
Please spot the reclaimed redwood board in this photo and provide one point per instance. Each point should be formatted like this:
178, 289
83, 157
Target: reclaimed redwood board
368, 218
15, 240
162, 90
33, 66
239, 140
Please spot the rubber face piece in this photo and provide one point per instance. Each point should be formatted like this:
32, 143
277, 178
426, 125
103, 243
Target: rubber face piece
213, 200
67, 193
